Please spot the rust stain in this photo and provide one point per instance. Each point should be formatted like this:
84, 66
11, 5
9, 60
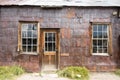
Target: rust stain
66, 33
70, 13
62, 33
41, 20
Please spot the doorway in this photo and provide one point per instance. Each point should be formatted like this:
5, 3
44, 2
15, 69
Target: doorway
49, 46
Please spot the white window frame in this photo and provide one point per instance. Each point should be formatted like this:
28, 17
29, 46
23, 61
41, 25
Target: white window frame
33, 53
101, 54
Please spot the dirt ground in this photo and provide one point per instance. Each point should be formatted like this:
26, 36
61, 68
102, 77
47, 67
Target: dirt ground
93, 76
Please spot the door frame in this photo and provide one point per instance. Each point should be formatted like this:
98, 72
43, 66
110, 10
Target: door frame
41, 34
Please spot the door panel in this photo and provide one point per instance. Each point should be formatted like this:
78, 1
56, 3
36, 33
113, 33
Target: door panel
49, 46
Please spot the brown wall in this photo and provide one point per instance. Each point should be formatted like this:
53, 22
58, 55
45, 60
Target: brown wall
74, 25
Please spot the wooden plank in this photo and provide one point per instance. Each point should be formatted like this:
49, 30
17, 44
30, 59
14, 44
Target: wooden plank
18, 49
19, 38
38, 38
64, 54
49, 53
49, 59
90, 34
41, 47
58, 49
110, 40
58, 65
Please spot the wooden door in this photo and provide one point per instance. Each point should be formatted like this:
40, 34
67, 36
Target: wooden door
49, 41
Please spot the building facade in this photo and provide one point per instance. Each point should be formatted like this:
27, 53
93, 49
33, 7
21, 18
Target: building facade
46, 38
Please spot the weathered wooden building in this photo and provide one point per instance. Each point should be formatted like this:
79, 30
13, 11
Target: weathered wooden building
52, 34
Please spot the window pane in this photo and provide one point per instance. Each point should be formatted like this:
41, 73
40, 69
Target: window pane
105, 35
99, 43
49, 36
24, 41
34, 41
34, 48
24, 34
49, 46
46, 47
94, 49
29, 41
105, 50
53, 46
105, 28
99, 50
29, 48
29, 33
94, 43
99, 34
24, 48
95, 28
24, 27
34, 34
94, 34
104, 43
30, 26
35, 27
53, 36
99, 27
45, 36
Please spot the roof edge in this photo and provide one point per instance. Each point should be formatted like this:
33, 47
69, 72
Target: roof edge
53, 6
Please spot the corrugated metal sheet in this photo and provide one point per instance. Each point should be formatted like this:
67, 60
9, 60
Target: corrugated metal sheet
62, 2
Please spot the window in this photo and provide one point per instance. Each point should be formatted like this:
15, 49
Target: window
29, 37
100, 39
50, 41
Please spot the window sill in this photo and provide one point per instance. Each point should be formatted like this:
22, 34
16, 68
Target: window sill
100, 54
29, 53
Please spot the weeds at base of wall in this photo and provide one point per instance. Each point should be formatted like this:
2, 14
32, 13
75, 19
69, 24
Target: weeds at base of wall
9, 72
75, 73
117, 72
